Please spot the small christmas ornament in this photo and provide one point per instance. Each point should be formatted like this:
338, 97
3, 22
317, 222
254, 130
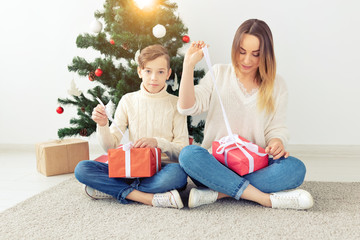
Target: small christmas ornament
112, 42
118, 18
83, 109
96, 26
73, 89
175, 86
98, 72
83, 132
136, 58
92, 76
186, 39
125, 46
59, 110
159, 31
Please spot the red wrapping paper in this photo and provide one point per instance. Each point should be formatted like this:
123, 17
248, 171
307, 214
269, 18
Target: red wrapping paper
238, 161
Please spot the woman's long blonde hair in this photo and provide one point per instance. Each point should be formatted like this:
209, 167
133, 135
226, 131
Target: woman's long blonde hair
266, 72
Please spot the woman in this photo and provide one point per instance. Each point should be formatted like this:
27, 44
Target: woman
255, 100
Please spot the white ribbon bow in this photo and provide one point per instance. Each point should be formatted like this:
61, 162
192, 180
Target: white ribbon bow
234, 139
126, 148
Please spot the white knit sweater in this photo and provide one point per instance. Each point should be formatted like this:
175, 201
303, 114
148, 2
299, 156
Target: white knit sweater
151, 116
244, 117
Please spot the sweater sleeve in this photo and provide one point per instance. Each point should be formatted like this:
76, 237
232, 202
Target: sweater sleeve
276, 127
180, 140
110, 137
203, 93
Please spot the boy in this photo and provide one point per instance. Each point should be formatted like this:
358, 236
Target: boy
152, 118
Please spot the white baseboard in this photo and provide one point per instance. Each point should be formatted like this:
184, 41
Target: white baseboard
325, 150
295, 150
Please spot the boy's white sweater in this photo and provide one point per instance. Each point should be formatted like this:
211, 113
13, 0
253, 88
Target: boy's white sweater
151, 116
244, 117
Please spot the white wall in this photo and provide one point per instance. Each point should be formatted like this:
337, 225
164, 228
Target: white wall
316, 44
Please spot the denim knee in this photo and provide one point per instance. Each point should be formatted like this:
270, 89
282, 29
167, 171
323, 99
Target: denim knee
297, 167
188, 153
80, 170
173, 175
178, 173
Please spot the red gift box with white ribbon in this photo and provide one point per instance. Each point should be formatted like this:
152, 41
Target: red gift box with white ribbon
129, 162
239, 154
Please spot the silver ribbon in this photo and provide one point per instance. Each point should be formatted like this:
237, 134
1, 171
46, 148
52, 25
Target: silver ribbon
231, 138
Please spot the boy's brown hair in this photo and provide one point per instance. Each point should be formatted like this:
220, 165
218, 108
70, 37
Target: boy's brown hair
151, 53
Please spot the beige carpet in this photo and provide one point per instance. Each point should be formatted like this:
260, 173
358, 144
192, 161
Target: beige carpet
64, 212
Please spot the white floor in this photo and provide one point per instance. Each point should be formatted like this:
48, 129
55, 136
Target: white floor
20, 180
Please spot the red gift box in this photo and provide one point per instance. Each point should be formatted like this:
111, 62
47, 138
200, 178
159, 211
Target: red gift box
125, 162
239, 154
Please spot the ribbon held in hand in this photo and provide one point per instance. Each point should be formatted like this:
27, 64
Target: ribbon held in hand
109, 116
235, 152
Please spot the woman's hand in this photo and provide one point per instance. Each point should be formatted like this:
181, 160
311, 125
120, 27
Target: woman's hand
146, 142
99, 115
276, 149
194, 54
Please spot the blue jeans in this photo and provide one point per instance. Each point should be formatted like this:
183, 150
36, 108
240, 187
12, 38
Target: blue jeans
96, 175
205, 170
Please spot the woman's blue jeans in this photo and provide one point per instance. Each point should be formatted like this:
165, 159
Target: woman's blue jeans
96, 175
206, 171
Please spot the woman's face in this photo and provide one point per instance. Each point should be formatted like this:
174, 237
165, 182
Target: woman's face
249, 55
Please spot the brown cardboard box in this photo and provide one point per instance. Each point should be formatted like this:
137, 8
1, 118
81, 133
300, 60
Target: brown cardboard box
60, 156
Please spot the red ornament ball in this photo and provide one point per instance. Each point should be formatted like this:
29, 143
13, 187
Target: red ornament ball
59, 110
112, 42
186, 39
98, 72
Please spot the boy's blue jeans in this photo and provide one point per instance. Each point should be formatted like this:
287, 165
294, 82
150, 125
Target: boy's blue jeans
205, 170
95, 174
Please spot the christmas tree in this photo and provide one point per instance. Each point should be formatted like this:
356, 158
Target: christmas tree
129, 26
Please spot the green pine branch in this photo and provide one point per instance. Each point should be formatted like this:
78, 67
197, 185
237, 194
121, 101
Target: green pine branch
131, 30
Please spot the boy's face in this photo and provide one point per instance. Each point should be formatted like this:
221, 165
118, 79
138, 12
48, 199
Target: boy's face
154, 74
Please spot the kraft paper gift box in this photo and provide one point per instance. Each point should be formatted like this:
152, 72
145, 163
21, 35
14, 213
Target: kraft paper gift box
133, 162
241, 158
60, 156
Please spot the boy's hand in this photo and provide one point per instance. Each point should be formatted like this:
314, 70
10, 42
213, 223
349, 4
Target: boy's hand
194, 54
99, 115
146, 142
276, 149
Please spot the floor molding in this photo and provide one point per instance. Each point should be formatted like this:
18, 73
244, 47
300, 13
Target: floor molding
294, 149
325, 150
